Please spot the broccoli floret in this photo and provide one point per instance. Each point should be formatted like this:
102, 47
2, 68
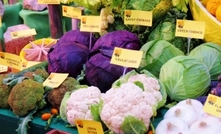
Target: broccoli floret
56, 95
4, 92
39, 75
25, 96
42, 72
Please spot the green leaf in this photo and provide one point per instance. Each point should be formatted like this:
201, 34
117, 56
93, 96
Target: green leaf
181, 5
132, 125
95, 111
139, 84
63, 106
23, 125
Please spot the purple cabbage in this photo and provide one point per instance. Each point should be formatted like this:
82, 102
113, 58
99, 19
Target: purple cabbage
79, 37
70, 53
99, 71
67, 58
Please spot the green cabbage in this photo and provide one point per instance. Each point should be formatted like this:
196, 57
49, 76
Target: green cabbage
185, 77
166, 29
156, 53
210, 54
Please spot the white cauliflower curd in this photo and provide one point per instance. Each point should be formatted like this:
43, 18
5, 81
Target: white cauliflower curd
80, 102
127, 100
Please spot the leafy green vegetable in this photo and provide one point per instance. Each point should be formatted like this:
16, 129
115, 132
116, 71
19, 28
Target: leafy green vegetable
132, 125
210, 54
185, 77
156, 53
23, 125
181, 5
62, 110
158, 7
167, 28
95, 110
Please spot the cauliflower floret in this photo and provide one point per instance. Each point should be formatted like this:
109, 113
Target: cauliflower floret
78, 105
150, 84
127, 100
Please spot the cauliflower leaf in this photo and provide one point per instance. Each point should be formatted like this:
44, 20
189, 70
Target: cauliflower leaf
133, 125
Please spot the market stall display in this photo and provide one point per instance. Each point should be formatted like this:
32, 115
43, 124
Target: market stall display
87, 81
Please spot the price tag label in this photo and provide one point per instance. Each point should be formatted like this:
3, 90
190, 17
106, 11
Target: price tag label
54, 80
89, 127
136, 17
213, 105
71, 12
3, 68
10, 60
90, 23
126, 57
23, 33
48, 1
27, 64
190, 28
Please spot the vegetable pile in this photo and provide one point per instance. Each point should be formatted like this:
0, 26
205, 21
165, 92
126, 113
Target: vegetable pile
164, 95
188, 117
214, 8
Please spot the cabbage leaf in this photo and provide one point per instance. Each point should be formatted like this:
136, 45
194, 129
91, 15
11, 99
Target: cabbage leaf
210, 54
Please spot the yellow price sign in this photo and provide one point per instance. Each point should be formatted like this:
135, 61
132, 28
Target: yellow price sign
54, 80
190, 29
23, 33
137, 17
126, 57
71, 12
10, 60
90, 23
213, 105
89, 127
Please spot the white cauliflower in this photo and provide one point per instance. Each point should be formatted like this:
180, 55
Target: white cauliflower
150, 84
127, 100
79, 103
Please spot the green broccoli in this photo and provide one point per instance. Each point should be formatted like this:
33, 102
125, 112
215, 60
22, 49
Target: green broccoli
4, 92
55, 96
25, 96
39, 75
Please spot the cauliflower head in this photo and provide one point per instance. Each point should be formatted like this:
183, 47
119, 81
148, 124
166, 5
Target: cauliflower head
25, 96
150, 84
4, 92
80, 102
126, 100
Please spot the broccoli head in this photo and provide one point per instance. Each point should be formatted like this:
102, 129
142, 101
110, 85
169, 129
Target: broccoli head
39, 75
25, 96
4, 92
56, 95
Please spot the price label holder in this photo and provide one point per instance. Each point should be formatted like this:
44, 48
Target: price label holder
54, 80
138, 18
213, 105
89, 127
190, 29
10, 60
23, 33
126, 58
49, 2
27, 64
90, 24
71, 12
3, 68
